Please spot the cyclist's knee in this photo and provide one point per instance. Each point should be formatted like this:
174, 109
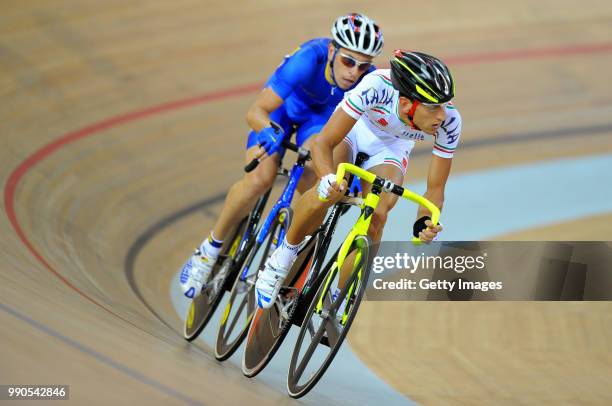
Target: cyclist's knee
308, 180
259, 182
379, 218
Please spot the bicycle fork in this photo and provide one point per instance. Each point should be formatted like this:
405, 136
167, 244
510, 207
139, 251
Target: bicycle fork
360, 228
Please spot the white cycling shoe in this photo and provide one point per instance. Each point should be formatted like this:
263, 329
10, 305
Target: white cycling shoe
269, 282
195, 274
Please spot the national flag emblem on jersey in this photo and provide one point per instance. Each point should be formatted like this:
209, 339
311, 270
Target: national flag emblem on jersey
382, 122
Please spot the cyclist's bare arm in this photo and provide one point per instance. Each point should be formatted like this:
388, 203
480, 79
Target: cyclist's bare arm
332, 134
439, 169
258, 116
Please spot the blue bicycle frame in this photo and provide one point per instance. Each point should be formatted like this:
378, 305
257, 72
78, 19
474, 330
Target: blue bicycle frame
283, 201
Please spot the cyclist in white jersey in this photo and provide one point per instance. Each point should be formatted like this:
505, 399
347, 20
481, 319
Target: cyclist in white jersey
383, 116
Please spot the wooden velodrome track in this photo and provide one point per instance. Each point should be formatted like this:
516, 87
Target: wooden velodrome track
117, 115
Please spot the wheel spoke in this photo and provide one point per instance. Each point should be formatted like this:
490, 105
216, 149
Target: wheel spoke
332, 330
310, 328
316, 339
309, 351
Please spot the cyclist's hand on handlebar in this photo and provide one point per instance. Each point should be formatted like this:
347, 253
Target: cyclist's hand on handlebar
329, 190
270, 139
430, 233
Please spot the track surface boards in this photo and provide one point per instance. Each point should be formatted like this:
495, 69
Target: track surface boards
122, 126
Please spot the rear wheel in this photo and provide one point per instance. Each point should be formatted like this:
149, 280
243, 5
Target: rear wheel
204, 305
241, 305
323, 330
269, 327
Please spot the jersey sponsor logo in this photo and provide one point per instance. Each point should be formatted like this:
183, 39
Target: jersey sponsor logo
373, 96
413, 135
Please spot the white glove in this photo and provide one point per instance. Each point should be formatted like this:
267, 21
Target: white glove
325, 185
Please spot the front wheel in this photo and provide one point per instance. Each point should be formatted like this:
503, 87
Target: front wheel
324, 327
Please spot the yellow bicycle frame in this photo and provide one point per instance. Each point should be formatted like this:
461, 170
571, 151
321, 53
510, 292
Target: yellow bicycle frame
363, 224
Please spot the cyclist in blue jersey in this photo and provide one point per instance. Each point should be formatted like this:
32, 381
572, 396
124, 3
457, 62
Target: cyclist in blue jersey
300, 96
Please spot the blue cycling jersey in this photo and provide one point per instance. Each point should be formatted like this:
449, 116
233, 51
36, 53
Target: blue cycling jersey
309, 98
300, 80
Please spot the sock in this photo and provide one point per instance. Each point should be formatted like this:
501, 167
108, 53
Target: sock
342, 305
211, 246
286, 254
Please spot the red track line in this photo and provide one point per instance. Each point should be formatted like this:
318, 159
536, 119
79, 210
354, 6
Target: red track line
96, 128
32, 160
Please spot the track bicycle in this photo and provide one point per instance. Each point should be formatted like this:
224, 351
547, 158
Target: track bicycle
232, 256
241, 304
268, 328
307, 301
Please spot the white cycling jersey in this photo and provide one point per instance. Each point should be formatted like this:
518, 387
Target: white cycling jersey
380, 133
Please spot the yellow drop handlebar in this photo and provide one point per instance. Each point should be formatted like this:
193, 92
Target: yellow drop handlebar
406, 194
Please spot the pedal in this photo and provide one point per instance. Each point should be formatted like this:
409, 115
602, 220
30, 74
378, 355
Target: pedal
284, 309
286, 299
216, 283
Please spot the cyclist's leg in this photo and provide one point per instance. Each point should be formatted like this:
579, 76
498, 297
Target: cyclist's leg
243, 194
309, 211
305, 133
389, 162
240, 200
309, 177
387, 200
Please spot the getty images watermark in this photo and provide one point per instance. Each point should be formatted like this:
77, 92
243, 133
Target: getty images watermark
418, 264
490, 270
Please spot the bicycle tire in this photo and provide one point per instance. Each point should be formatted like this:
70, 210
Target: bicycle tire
294, 388
204, 305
